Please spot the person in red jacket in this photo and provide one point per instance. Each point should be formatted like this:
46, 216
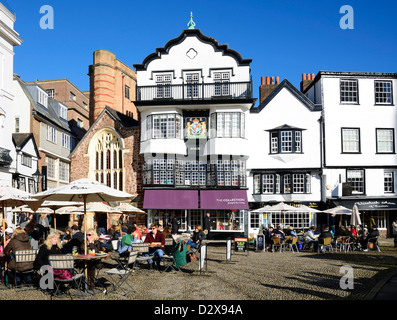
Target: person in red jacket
156, 241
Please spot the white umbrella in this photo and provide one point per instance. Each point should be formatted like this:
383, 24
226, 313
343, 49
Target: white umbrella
263, 209
355, 219
12, 197
339, 210
282, 207
68, 210
129, 208
54, 205
99, 207
84, 190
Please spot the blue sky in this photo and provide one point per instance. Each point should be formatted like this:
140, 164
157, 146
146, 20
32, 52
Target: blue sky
283, 38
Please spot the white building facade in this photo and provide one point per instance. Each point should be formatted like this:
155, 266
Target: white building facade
9, 38
284, 163
194, 96
358, 129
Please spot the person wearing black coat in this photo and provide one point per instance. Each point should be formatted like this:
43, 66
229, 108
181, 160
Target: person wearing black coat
372, 236
174, 226
197, 237
207, 225
51, 246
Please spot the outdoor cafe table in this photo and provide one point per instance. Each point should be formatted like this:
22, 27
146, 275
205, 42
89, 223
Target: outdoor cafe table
88, 260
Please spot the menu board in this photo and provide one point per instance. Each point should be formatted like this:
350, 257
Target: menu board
240, 244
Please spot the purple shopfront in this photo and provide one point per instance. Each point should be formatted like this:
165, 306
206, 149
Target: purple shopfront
228, 209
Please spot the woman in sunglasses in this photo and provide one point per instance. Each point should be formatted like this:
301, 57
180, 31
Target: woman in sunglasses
92, 242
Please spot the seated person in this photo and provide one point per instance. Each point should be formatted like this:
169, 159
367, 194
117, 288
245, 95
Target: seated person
33, 234
269, 235
197, 237
155, 236
90, 244
372, 236
19, 241
127, 240
311, 237
278, 232
77, 239
325, 234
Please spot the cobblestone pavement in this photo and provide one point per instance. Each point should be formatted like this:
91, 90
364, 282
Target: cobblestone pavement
256, 276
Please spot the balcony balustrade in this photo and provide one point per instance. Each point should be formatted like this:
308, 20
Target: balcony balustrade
195, 91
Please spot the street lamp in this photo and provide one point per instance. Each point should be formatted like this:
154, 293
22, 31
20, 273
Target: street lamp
36, 176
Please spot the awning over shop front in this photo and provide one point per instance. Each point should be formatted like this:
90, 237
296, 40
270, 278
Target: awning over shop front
170, 199
369, 203
224, 199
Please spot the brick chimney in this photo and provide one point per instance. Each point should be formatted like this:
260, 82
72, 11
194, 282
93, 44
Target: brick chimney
266, 88
306, 80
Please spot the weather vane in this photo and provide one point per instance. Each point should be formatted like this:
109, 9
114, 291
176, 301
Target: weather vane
191, 23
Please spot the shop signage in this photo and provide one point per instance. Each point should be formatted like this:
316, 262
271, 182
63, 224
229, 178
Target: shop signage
377, 204
260, 242
240, 244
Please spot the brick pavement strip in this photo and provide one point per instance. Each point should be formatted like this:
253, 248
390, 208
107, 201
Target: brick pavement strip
256, 276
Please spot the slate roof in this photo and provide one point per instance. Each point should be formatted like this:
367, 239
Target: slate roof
289, 86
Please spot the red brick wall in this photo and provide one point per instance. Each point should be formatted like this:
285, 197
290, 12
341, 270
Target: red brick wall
132, 160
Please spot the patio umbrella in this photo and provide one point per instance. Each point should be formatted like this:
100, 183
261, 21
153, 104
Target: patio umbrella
12, 197
355, 219
99, 207
339, 210
54, 205
129, 208
83, 190
263, 209
282, 207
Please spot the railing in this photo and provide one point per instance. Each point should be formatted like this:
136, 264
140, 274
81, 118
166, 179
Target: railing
196, 91
5, 158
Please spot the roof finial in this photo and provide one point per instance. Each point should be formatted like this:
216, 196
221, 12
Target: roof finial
191, 23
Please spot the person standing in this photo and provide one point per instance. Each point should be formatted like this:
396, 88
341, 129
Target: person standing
174, 225
394, 224
332, 223
207, 225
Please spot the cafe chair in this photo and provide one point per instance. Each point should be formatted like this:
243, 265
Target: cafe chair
375, 243
169, 246
327, 244
120, 274
65, 262
293, 244
23, 257
347, 243
143, 252
277, 243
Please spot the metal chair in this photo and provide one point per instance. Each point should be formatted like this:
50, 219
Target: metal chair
327, 244
123, 271
24, 256
293, 244
375, 243
143, 250
347, 243
277, 243
62, 262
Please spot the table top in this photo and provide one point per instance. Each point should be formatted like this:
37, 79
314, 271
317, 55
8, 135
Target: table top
91, 257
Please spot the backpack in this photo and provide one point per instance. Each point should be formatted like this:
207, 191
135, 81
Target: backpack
180, 254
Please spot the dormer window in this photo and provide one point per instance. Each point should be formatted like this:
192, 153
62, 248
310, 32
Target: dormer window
285, 139
63, 112
42, 98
